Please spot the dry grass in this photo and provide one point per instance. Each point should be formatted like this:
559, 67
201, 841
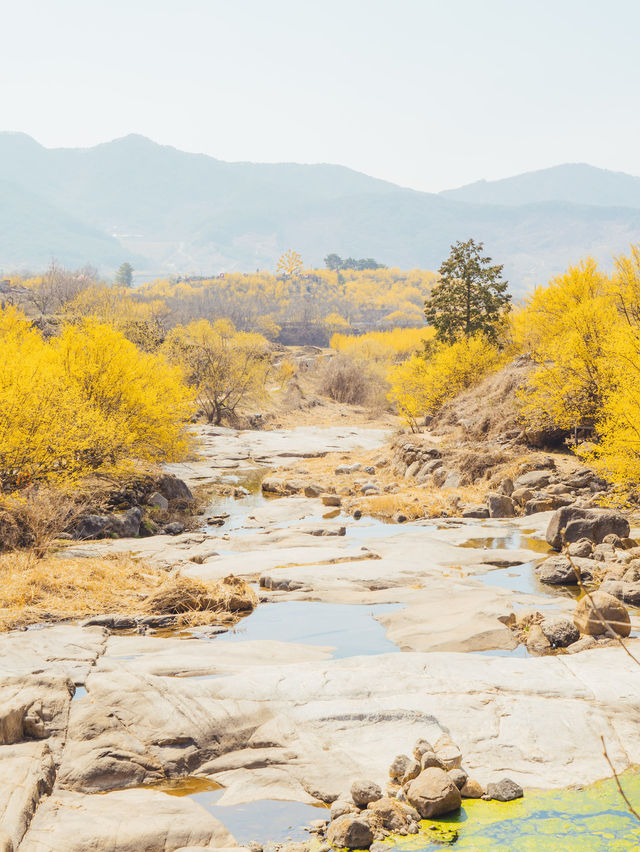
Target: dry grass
34, 590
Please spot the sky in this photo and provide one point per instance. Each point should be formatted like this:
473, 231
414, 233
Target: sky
429, 94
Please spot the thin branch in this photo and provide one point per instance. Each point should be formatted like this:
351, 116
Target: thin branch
619, 785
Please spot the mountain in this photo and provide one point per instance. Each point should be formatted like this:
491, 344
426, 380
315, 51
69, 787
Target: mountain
169, 211
575, 183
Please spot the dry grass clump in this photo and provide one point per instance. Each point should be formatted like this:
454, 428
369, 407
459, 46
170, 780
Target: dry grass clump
185, 596
417, 502
34, 517
34, 590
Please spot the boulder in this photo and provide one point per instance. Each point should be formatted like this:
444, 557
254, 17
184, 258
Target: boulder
627, 592
500, 506
433, 793
350, 832
173, 488
571, 523
313, 490
363, 792
592, 609
558, 570
560, 631
504, 790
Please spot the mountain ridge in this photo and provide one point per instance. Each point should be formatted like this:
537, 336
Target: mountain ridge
170, 211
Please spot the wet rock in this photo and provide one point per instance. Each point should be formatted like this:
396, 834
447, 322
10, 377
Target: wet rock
504, 790
560, 631
500, 506
459, 777
571, 523
433, 793
592, 609
363, 792
472, 789
350, 832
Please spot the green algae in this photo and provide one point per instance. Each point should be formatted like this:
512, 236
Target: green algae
591, 819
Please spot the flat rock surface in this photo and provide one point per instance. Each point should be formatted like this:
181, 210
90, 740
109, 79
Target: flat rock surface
122, 821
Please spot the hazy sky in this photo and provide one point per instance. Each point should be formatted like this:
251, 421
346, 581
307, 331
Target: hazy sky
426, 93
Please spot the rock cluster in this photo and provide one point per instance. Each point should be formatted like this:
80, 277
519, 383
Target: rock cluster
148, 506
428, 784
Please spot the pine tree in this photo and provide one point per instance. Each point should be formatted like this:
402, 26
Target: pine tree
471, 296
124, 275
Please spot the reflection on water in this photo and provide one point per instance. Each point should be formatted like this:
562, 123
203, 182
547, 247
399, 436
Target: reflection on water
593, 819
511, 540
265, 821
350, 628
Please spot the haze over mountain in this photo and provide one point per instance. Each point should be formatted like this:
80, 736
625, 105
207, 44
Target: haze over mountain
168, 211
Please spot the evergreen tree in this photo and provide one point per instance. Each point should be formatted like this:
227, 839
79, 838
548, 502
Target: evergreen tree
124, 275
471, 296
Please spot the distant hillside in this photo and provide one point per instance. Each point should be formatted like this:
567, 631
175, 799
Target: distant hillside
575, 183
168, 211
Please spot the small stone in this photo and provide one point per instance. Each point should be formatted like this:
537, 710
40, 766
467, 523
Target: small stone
363, 792
559, 631
331, 500
459, 777
448, 752
583, 548
421, 747
504, 790
430, 759
341, 807
537, 643
350, 832
472, 789
357, 514
399, 766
